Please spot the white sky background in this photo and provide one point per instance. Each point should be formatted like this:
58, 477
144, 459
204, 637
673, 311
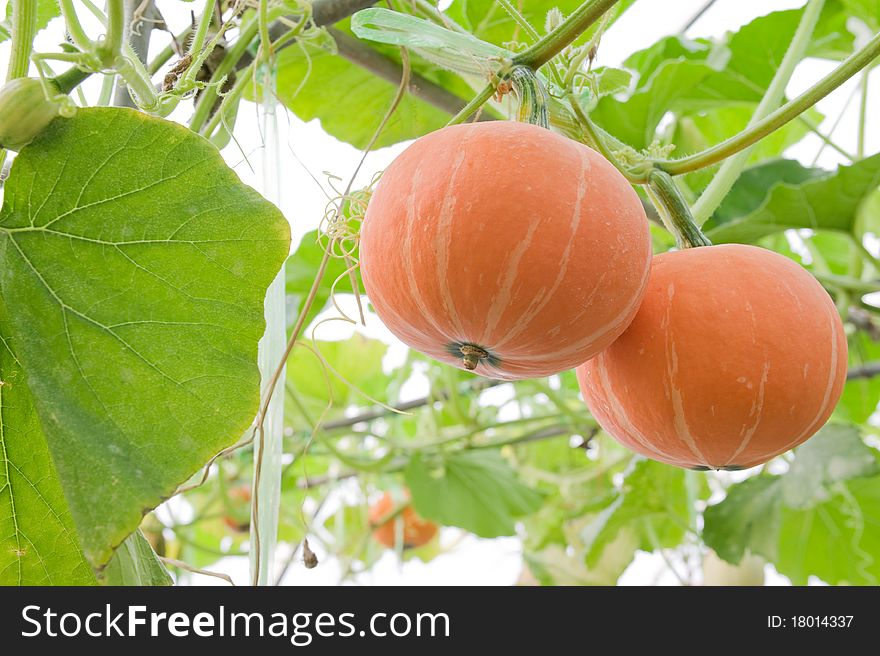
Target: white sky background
472, 560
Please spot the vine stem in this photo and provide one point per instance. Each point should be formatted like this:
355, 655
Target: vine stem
863, 114
198, 42
206, 101
732, 167
74, 27
560, 38
111, 48
24, 28
775, 120
532, 97
475, 104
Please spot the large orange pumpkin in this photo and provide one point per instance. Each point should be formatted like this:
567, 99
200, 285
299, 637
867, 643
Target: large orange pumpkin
736, 355
504, 248
415, 531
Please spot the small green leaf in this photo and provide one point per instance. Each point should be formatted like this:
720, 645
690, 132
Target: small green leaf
475, 490
747, 519
836, 453
135, 564
653, 501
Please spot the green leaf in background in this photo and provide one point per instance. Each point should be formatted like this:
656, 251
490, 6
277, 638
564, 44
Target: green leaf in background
475, 490
555, 566
865, 10
821, 518
754, 185
357, 360
829, 202
300, 271
860, 396
352, 107
135, 563
135, 265
653, 502
838, 540
747, 519
46, 11
698, 131
692, 76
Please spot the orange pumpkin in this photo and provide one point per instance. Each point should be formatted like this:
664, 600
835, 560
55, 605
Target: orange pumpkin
505, 249
415, 532
736, 355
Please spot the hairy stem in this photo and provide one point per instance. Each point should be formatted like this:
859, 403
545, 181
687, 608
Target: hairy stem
576, 24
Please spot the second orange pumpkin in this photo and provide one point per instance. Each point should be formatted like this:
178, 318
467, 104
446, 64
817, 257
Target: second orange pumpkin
736, 355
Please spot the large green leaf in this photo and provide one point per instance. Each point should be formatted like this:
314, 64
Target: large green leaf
829, 202
134, 268
747, 519
821, 518
475, 490
754, 184
38, 543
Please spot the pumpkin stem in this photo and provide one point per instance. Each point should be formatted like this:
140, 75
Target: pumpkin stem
674, 210
471, 356
532, 97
